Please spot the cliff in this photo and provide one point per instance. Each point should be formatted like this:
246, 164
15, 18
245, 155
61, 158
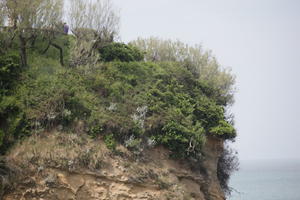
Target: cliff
63, 166
114, 125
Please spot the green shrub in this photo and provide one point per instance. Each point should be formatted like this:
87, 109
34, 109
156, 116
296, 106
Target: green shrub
110, 142
13, 122
95, 129
10, 70
120, 52
208, 112
202, 64
133, 143
182, 138
224, 130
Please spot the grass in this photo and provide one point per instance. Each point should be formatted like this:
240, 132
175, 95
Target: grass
60, 150
108, 98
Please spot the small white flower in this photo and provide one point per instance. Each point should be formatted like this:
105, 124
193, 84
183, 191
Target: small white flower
51, 116
112, 107
151, 142
140, 115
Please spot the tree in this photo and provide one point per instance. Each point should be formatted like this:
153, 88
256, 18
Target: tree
202, 64
94, 24
30, 14
98, 17
27, 18
2, 13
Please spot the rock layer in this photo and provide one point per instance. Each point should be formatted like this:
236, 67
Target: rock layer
122, 175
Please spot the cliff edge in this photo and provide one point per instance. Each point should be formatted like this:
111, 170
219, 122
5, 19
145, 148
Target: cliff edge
83, 169
113, 122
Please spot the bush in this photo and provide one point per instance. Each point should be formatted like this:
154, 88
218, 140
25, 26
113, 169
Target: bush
13, 123
110, 142
120, 52
52, 95
133, 143
208, 112
224, 130
10, 70
227, 164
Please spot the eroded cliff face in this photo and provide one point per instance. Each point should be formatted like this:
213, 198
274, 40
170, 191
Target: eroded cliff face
71, 167
213, 149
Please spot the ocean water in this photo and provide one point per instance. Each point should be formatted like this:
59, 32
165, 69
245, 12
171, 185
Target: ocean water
266, 180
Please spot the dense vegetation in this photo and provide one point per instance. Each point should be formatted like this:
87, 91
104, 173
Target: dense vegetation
146, 93
161, 102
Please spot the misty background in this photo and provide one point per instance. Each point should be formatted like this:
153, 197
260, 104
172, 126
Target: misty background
259, 40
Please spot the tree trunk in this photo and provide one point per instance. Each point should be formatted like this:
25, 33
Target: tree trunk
23, 54
33, 37
61, 55
46, 48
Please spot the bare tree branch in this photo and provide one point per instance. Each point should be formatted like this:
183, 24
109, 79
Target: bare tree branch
29, 17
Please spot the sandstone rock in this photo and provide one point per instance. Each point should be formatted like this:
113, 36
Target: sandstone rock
121, 178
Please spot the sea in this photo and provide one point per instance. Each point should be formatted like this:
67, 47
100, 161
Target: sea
266, 180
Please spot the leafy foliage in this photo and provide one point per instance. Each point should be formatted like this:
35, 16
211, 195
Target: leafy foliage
202, 64
12, 121
162, 102
110, 142
120, 52
227, 164
9, 71
224, 129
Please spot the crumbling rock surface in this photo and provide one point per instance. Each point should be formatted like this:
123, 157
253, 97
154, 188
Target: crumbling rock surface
115, 176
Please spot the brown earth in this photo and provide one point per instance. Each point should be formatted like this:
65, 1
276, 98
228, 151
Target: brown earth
60, 166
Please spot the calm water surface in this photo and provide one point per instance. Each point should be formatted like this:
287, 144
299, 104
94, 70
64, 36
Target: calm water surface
267, 180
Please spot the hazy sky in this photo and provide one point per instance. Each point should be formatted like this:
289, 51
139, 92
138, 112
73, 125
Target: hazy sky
259, 39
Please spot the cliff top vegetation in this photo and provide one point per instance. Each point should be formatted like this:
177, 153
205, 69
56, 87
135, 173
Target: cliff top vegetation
145, 93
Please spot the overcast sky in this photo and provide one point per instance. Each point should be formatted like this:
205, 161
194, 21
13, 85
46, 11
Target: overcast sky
259, 40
